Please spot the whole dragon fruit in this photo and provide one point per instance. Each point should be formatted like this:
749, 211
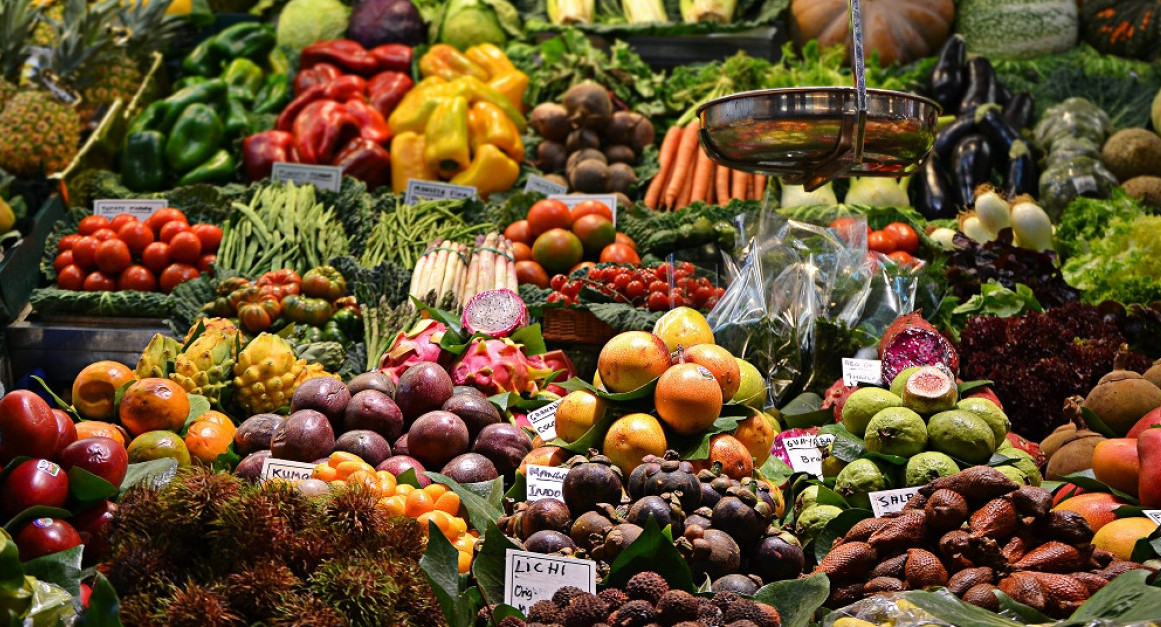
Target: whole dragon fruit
556, 361
160, 350
498, 365
912, 341
419, 343
836, 397
495, 313
207, 366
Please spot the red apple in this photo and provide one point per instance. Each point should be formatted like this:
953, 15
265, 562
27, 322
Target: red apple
1146, 421
101, 456
66, 431
92, 525
34, 482
988, 394
27, 426
45, 536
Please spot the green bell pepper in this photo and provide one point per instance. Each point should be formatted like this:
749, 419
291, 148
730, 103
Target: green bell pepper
203, 60
332, 333
277, 61
245, 39
196, 135
218, 169
274, 95
237, 123
189, 80
211, 92
151, 118
243, 79
350, 321
143, 161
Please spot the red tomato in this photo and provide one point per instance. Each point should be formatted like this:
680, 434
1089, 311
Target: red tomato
531, 272
517, 232
626, 240
902, 258
156, 256
136, 235
99, 282
184, 247
120, 220
63, 259
619, 253
70, 278
113, 256
161, 216
137, 278
210, 236
177, 274
881, 242
91, 224
85, 252
169, 229
104, 234
905, 237
205, 260
546, 215
67, 242
586, 207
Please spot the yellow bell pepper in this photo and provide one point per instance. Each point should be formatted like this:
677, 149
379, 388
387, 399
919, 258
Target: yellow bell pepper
492, 59
477, 90
446, 62
407, 161
447, 150
487, 124
417, 106
512, 86
490, 172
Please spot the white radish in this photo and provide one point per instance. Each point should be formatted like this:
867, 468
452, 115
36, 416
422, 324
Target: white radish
1032, 227
944, 237
970, 225
993, 211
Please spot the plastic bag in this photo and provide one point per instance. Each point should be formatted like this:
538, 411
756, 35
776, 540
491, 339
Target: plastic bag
886, 609
790, 274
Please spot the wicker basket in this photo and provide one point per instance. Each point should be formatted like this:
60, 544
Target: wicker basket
565, 325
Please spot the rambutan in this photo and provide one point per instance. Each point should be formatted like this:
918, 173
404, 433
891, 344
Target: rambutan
257, 591
305, 610
199, 606
358, 588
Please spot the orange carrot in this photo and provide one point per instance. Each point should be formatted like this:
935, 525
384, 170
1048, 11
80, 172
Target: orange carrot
702, 174
740, 185
682, 164
683, 199
759, 187
665, 161
722, 185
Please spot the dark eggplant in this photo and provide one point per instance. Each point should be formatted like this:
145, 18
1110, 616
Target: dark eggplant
1003, 94
931, 193
948, 76
981, 85
1023, 175
1018, 112
1000, 134
949, 136
971, 164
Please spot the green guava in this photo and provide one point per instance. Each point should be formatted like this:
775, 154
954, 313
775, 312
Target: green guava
961, 434
990, 413
896, 431
863, 404
858, 480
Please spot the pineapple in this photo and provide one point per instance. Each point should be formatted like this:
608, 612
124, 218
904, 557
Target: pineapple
39, 134
17, 18
143, 27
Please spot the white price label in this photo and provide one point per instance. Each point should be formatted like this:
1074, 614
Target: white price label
856, 371
532, 577
140, 209
328, 177
544, 186
806, 453
1153, 514
572, 200
887, 501
285, 469
544, 420
418, 191
544, 482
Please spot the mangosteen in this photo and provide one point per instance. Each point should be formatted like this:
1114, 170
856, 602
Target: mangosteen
715, 555
422, 388
370, 446
470, 468
701, 518
590, 483
664, 512
587, 526
671, 478
635, 486
776, 559
475, 411
548, 541
374, 380
544, 514
616, 540
738, 584
709, 496
325, 395
739, 519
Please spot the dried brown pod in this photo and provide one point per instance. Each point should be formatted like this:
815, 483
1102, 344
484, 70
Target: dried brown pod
917, 501
1066, 526
1062, 592
1090, 581
844, 595
1016, 547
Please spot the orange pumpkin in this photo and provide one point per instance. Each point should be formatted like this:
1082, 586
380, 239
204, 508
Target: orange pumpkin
898, 30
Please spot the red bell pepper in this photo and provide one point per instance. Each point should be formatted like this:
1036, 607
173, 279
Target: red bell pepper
321, 128
374, 125
365, 160
386, 89
261, 151
393, 58
346, 54
345, 88
290, 113
319, 74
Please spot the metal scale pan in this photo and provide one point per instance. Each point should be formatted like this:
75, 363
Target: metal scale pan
810, 135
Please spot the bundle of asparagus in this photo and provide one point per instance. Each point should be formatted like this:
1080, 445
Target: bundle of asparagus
442, 268
492, 266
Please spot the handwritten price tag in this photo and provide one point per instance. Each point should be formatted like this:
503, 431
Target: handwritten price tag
888, 501
285, 469
328, 177
532, 577
141, 209
544, 186
1153, 514
856, 371
806, 453
544, 482
418, 191
544, 420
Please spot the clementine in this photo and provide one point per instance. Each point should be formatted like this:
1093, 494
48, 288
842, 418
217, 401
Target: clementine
206, 440
1096, 507
688, 398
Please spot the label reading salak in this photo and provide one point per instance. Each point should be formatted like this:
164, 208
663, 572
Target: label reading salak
887, 501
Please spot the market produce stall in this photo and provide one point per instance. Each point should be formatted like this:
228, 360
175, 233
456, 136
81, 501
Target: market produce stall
488, 313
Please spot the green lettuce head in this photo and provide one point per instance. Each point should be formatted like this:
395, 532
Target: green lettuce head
304, 22
465, 23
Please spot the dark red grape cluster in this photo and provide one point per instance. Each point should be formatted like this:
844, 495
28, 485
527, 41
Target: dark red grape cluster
651, 288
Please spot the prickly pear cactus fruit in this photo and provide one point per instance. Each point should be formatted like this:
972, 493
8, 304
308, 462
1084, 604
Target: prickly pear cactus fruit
207, 366
157, 353
266, 374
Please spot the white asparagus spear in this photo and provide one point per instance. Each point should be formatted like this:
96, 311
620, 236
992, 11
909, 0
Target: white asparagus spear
473, 272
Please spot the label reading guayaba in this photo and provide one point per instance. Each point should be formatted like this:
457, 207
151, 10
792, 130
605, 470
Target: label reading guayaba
532, 577
544, 186
138, 208
285, 469
544, 482
856, 371
1153, 514
886, 501
418, 191
806, 452
572, 200
328, 177
544, 420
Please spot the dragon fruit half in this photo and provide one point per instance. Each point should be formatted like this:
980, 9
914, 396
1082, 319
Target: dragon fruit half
495, 313
836, 398
420, 343
499, 365
912, 341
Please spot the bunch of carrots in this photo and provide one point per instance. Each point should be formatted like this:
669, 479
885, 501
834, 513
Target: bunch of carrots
688, 175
